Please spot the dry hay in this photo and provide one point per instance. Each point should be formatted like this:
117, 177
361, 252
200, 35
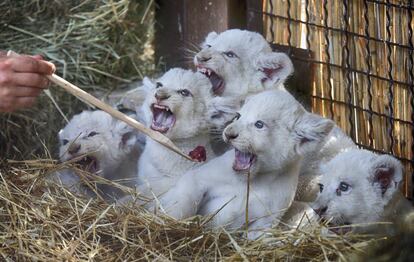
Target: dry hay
45, 222
95, 44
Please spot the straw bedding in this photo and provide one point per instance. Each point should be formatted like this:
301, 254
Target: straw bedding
94, 44
42, 221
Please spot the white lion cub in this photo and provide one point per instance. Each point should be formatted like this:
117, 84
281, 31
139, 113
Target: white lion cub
105, 146
358, 186
240, 62
176, 107
269, 135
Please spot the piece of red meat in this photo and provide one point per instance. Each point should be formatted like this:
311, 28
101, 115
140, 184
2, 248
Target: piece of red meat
199, 154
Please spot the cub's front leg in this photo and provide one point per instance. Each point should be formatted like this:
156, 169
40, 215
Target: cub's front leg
258, 227
183, 200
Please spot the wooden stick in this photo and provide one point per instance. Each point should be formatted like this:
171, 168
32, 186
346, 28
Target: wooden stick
86, 97
79, 93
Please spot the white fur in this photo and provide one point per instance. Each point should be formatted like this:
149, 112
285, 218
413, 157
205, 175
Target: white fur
273, 177
133, 97
115, 145
364, 201
299, 215
335, 143
159, 168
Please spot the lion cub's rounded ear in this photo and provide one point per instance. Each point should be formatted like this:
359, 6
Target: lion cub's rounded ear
310, 131
60, 134
210, 38
148, 84
126, 135
386, 173
275, 67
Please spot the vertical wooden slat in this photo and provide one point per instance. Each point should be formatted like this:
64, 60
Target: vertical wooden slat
183, 24
254, 19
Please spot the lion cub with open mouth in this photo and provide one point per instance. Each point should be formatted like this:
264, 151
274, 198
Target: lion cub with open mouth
176, 107
269, 135
239, 63
100, 145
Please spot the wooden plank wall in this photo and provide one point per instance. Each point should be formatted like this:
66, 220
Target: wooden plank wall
352, 86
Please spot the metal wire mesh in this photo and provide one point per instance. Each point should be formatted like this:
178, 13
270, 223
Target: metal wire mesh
361, 56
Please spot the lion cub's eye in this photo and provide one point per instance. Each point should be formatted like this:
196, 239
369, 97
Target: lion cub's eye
259, 124
65, 141
208, 46
184, 92
230, 54
158, 85
236, 117
93, 133
320, 187
344, 186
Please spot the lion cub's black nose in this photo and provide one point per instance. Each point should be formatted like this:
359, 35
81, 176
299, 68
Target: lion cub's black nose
74, 148
230, 135
203, 59
159, 95
321, 211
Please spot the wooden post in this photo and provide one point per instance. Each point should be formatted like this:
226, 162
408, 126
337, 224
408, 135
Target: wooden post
254, 17
169, 32
300, 82
183, 24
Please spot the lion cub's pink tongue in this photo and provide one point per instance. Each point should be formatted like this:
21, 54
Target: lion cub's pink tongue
163, 120
242, 161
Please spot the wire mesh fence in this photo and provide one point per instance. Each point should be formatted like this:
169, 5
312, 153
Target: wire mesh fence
360, 54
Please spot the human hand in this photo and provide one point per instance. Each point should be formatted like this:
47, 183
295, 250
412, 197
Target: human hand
22, 79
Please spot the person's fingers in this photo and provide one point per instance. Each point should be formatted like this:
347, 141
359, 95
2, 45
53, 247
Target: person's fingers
25, 101
28, 64
13, 103
20, 91
24, 79
38, 57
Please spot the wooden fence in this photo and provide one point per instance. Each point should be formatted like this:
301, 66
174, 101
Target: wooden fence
361, 56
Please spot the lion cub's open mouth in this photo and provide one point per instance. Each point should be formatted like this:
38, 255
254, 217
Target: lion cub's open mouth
216, 81
337, 229
162, 118
89, 164
243, 160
